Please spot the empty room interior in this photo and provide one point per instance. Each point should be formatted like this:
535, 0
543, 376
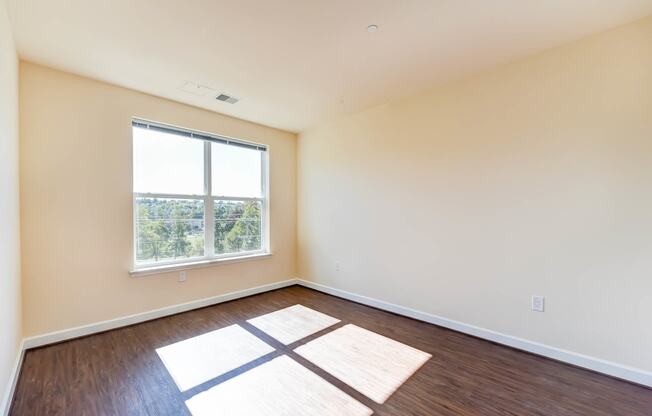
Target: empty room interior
307, 208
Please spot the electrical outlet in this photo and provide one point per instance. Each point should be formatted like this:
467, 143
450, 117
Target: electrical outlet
182, 276
337, 266
538, 303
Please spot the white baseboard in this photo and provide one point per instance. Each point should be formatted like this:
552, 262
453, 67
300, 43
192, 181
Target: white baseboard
80, 331
5, 405
624, 372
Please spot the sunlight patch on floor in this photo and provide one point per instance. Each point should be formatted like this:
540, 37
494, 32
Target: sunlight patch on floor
292, 324
278, 387
372, 364
202, 358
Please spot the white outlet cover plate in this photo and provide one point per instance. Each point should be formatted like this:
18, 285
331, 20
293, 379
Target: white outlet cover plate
538, 303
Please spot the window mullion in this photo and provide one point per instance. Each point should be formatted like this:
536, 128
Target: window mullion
264, 184
209, 228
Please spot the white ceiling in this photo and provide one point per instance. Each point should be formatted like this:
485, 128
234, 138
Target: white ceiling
296, 62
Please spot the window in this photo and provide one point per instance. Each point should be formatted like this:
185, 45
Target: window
197, 196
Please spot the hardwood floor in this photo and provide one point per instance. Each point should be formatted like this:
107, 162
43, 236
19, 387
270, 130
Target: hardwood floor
119, 373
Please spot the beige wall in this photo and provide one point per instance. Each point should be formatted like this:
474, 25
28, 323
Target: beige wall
10, 309
533, 178
77, 204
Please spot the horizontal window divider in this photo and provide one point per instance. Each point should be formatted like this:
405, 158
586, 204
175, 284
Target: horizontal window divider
236, 198
182, 196
168, 196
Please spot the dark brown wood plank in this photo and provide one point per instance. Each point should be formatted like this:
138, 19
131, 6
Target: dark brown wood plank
119, 373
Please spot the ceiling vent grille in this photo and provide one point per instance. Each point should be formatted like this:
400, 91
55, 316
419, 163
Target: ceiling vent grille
227, 98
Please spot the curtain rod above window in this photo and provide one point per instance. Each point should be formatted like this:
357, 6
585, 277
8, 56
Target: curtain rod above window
143, 124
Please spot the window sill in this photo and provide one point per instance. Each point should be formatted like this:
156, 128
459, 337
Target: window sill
144, 271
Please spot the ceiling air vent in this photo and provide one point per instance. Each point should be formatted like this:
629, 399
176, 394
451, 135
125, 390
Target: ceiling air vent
227, 98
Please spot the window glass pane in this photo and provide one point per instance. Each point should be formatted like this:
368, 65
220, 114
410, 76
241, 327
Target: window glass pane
236, 171
168, 229
238, 226
166, 163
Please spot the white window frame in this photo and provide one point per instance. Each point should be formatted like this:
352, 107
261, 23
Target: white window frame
209, 256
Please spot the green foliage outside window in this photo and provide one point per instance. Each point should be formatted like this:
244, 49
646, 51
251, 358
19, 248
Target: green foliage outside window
169, 229
237, 226
174, 228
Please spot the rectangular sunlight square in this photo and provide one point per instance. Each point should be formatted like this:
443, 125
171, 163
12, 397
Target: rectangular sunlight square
280, 387
374, 365
293, 323
202, 358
